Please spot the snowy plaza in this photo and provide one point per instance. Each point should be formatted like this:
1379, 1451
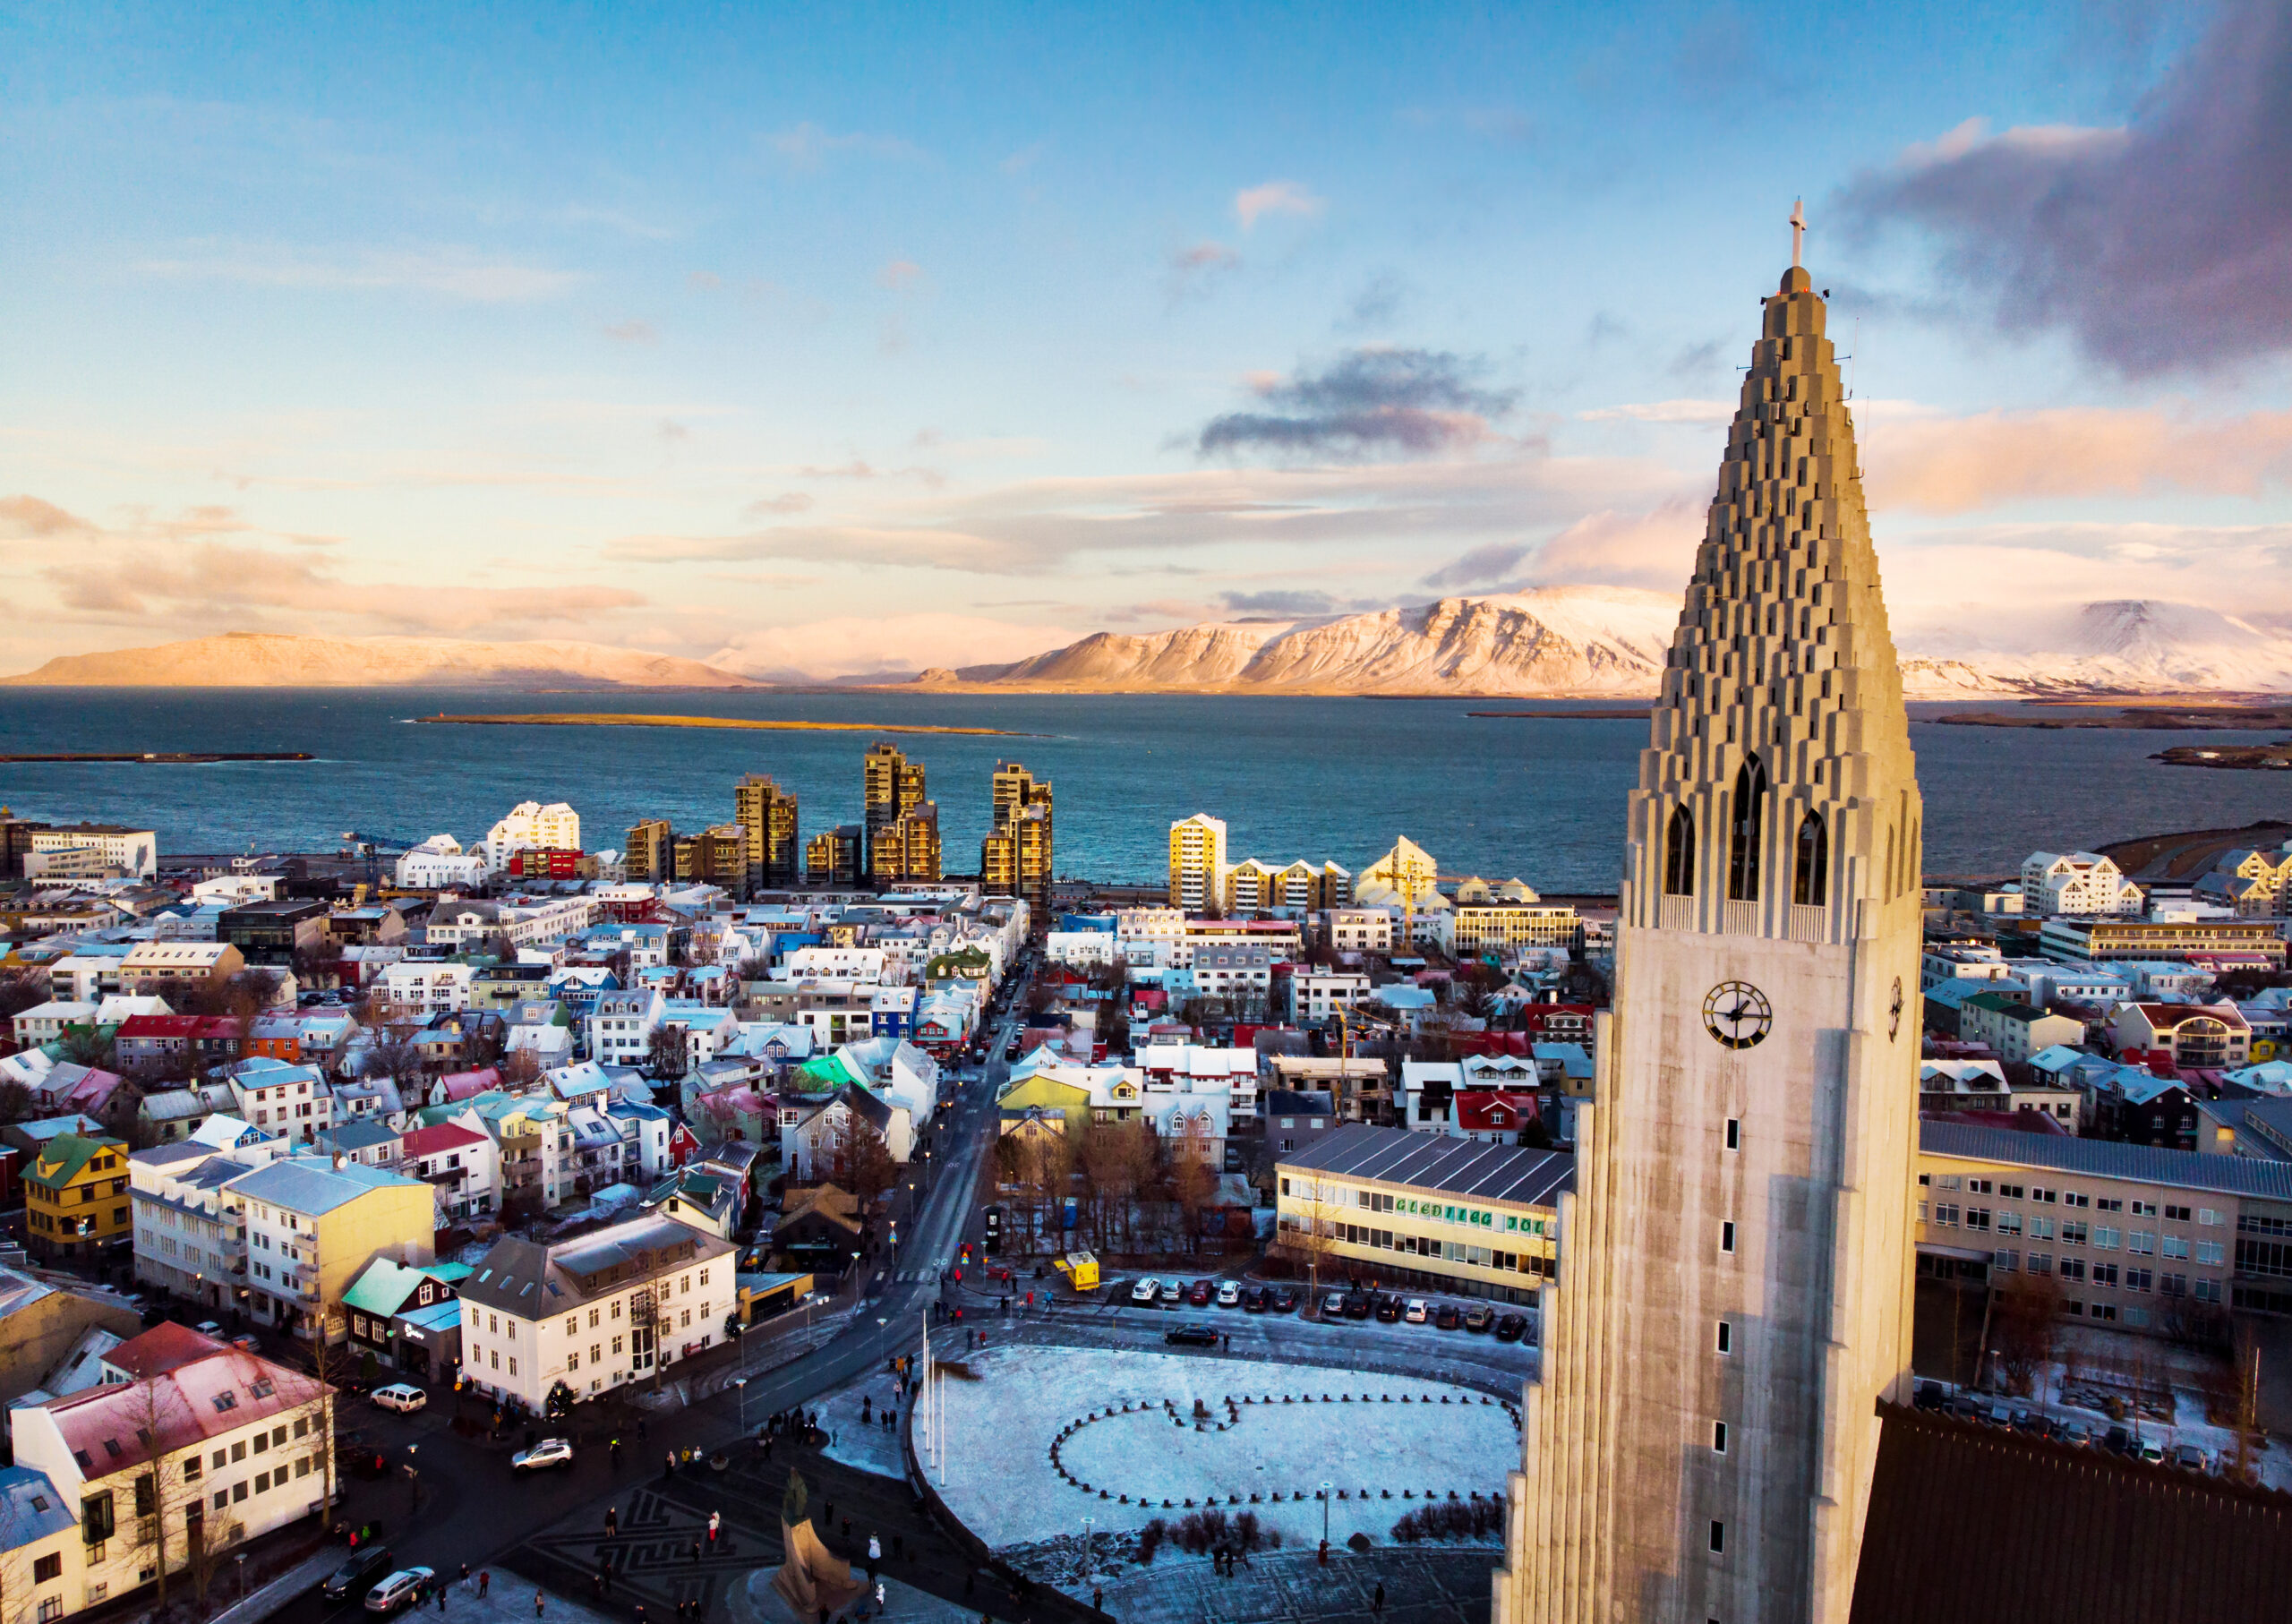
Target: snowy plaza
1046, 1437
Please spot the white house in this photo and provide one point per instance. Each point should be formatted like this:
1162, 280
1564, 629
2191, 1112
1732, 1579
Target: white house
593, 1312
2055, 883
531, 826
281, 1098
838, 963
621, 1027
439, 863
426, 986
1317, 995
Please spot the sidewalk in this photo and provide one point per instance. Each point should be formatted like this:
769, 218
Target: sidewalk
267, 1598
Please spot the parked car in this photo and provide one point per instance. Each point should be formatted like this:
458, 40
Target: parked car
1358, 1305
1230, 1294
364, 1568
1190, 1335
1333, 1305
1256, 1300
246, 1343
1511, 1327
2119, 1442
1198, 1293
1417, 1314
1388, 1308
2188, 1457
1146, 1290
2152, 1453
208, 1327
400, 1589
1449, 1317
2076, 1434
1480, 1319
1930, 1397
1285, 1300
2030, 1422
1173, 1293
402, 1397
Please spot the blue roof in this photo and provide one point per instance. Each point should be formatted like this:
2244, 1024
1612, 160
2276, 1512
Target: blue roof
438, 1316
309, 1184
30, 1508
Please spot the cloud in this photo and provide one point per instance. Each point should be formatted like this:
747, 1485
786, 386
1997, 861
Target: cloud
26, 519
1482, 567
1695, 360
451, 273
2158, 246
1377, 304
1951, 465
1665, 411
1194, 272
1275, 197
1374, 401
704, 281
1652, 548
899, 275
806, 145
1291, 604
867, 644
786, 501
632, 331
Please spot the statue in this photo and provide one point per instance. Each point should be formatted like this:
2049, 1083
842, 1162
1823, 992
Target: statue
811, 1579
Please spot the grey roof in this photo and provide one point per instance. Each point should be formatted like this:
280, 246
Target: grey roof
1290, 1102
526, 1278
30, 1508
309, 1186
170, 1153
2106, 1158
360, 1134
1426, 1161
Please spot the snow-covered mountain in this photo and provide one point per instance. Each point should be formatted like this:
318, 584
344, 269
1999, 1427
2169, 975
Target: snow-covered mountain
1558, 641
242, 659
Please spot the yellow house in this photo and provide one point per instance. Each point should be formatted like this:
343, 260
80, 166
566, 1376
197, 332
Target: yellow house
1106, 1093
76, 1199
314, 1224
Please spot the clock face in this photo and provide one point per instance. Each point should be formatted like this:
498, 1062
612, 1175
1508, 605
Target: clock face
1894, 1012
1737, 1013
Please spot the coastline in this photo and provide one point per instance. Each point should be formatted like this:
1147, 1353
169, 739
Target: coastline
636, 719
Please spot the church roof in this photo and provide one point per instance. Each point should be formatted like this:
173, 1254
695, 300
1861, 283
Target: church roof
1453, 1167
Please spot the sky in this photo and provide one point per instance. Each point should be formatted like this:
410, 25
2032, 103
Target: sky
828, 341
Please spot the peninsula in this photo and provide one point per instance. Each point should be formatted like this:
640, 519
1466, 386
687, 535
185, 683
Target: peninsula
611, 719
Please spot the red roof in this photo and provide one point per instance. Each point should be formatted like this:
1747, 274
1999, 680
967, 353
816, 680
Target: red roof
162, 1349
1493, 1111
222, 1390
467, 1085
445, 1136
179, 1026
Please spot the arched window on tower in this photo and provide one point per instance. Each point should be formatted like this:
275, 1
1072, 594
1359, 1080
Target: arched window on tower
1810, 877
1679, 854
1747, 813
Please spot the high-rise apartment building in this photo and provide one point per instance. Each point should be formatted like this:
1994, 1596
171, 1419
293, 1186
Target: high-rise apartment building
834, 857
1014, 860
715, 856
1197, 862
890, 787
1703, 1436
907, 848
651, 853
776, 853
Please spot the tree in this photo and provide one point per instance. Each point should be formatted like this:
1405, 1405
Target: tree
16, 1102
2024, 1330
1315, 1232
863, 1161
393, 1055
666, 1051
521, 1069
1193, 1184
22, 989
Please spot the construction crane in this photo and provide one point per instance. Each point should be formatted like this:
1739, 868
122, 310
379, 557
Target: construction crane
372, 848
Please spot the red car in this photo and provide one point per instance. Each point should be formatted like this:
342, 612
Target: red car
1198, 1293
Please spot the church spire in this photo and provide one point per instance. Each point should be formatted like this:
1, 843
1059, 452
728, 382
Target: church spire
1777, 792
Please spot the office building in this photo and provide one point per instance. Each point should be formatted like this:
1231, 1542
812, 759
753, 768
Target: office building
768, 812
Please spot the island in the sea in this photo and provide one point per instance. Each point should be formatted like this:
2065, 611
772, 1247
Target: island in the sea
609, 719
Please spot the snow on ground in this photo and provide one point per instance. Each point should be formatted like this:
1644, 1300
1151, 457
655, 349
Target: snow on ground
869, 1445
1000, 1430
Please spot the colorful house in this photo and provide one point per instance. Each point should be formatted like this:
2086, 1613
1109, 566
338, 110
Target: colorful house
76, 1199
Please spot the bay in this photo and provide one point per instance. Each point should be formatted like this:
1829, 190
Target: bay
1292, 777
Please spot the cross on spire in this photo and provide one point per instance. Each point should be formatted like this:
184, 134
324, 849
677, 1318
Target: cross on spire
1798, 228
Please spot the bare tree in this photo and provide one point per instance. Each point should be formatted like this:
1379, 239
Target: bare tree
1315, 1234
2024, 1330
521, 1069
22, 989
863, 1162
666, 1051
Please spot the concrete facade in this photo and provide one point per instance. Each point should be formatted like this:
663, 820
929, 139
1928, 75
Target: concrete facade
1702, 1440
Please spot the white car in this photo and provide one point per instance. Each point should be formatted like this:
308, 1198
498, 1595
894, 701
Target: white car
1174, 1293
1229, 1294
549, 1452
397, 1590
1416, 1313
1146, 1290
402, 1397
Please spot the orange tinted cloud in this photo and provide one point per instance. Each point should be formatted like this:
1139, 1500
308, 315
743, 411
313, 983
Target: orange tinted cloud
1954, 465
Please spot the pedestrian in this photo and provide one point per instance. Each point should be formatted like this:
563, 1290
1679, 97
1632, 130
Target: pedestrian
1097, 1600
640, 1429
875, 1554
465, 1573
671, 1471
640, 1612
442, 1598
879, 1595
1378, 1604
537, 1603
1230, 1340
612, 1521
695, 1550
828, 1513
484, 1579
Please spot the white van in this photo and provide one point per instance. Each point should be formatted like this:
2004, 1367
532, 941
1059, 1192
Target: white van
402, 1397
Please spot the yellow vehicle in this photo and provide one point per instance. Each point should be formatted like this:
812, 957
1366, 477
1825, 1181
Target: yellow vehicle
1080, 1266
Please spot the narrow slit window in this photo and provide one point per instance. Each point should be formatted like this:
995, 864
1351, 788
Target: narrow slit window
1727, 1237
1718, 1438
1679, 853
1748, 811
1718, 1539
1726, 1336
1734, 1133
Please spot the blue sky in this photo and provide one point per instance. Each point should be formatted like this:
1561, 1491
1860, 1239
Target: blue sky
831, 343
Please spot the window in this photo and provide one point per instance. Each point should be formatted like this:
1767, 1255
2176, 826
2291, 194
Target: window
262, 1483
2009, 1223
1810, 874
2072, 1233
573, 1361
2210, 1253
1734, 1133
2040, 1229
1718, 1539
1978, 1186
513, 1365
1747, 810
47, 1568
238, 1491
2176, 1215
239, 1450
2003, 1260
2175, 1247
2206, 1215
573, 1326
2108, 1204
1679, 854
2105, 1238
1946, 1213
1727, 1237
2070, 1198
1726, 1336
1718, 1438
190, 1468
2073, 1269
2142, 1242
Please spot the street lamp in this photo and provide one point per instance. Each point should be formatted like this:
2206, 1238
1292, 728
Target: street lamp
412, 1481
241, 1560
1325, 1489
741, 1383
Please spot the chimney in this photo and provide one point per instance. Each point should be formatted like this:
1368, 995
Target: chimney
338, 1161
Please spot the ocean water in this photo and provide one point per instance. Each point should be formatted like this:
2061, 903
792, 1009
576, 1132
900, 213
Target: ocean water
1292, 777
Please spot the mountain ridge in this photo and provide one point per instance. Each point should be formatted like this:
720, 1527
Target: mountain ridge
242, 659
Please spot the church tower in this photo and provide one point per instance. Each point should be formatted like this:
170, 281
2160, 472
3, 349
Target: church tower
1734, 1297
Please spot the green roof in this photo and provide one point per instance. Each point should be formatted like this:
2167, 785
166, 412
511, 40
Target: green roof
63, 1157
